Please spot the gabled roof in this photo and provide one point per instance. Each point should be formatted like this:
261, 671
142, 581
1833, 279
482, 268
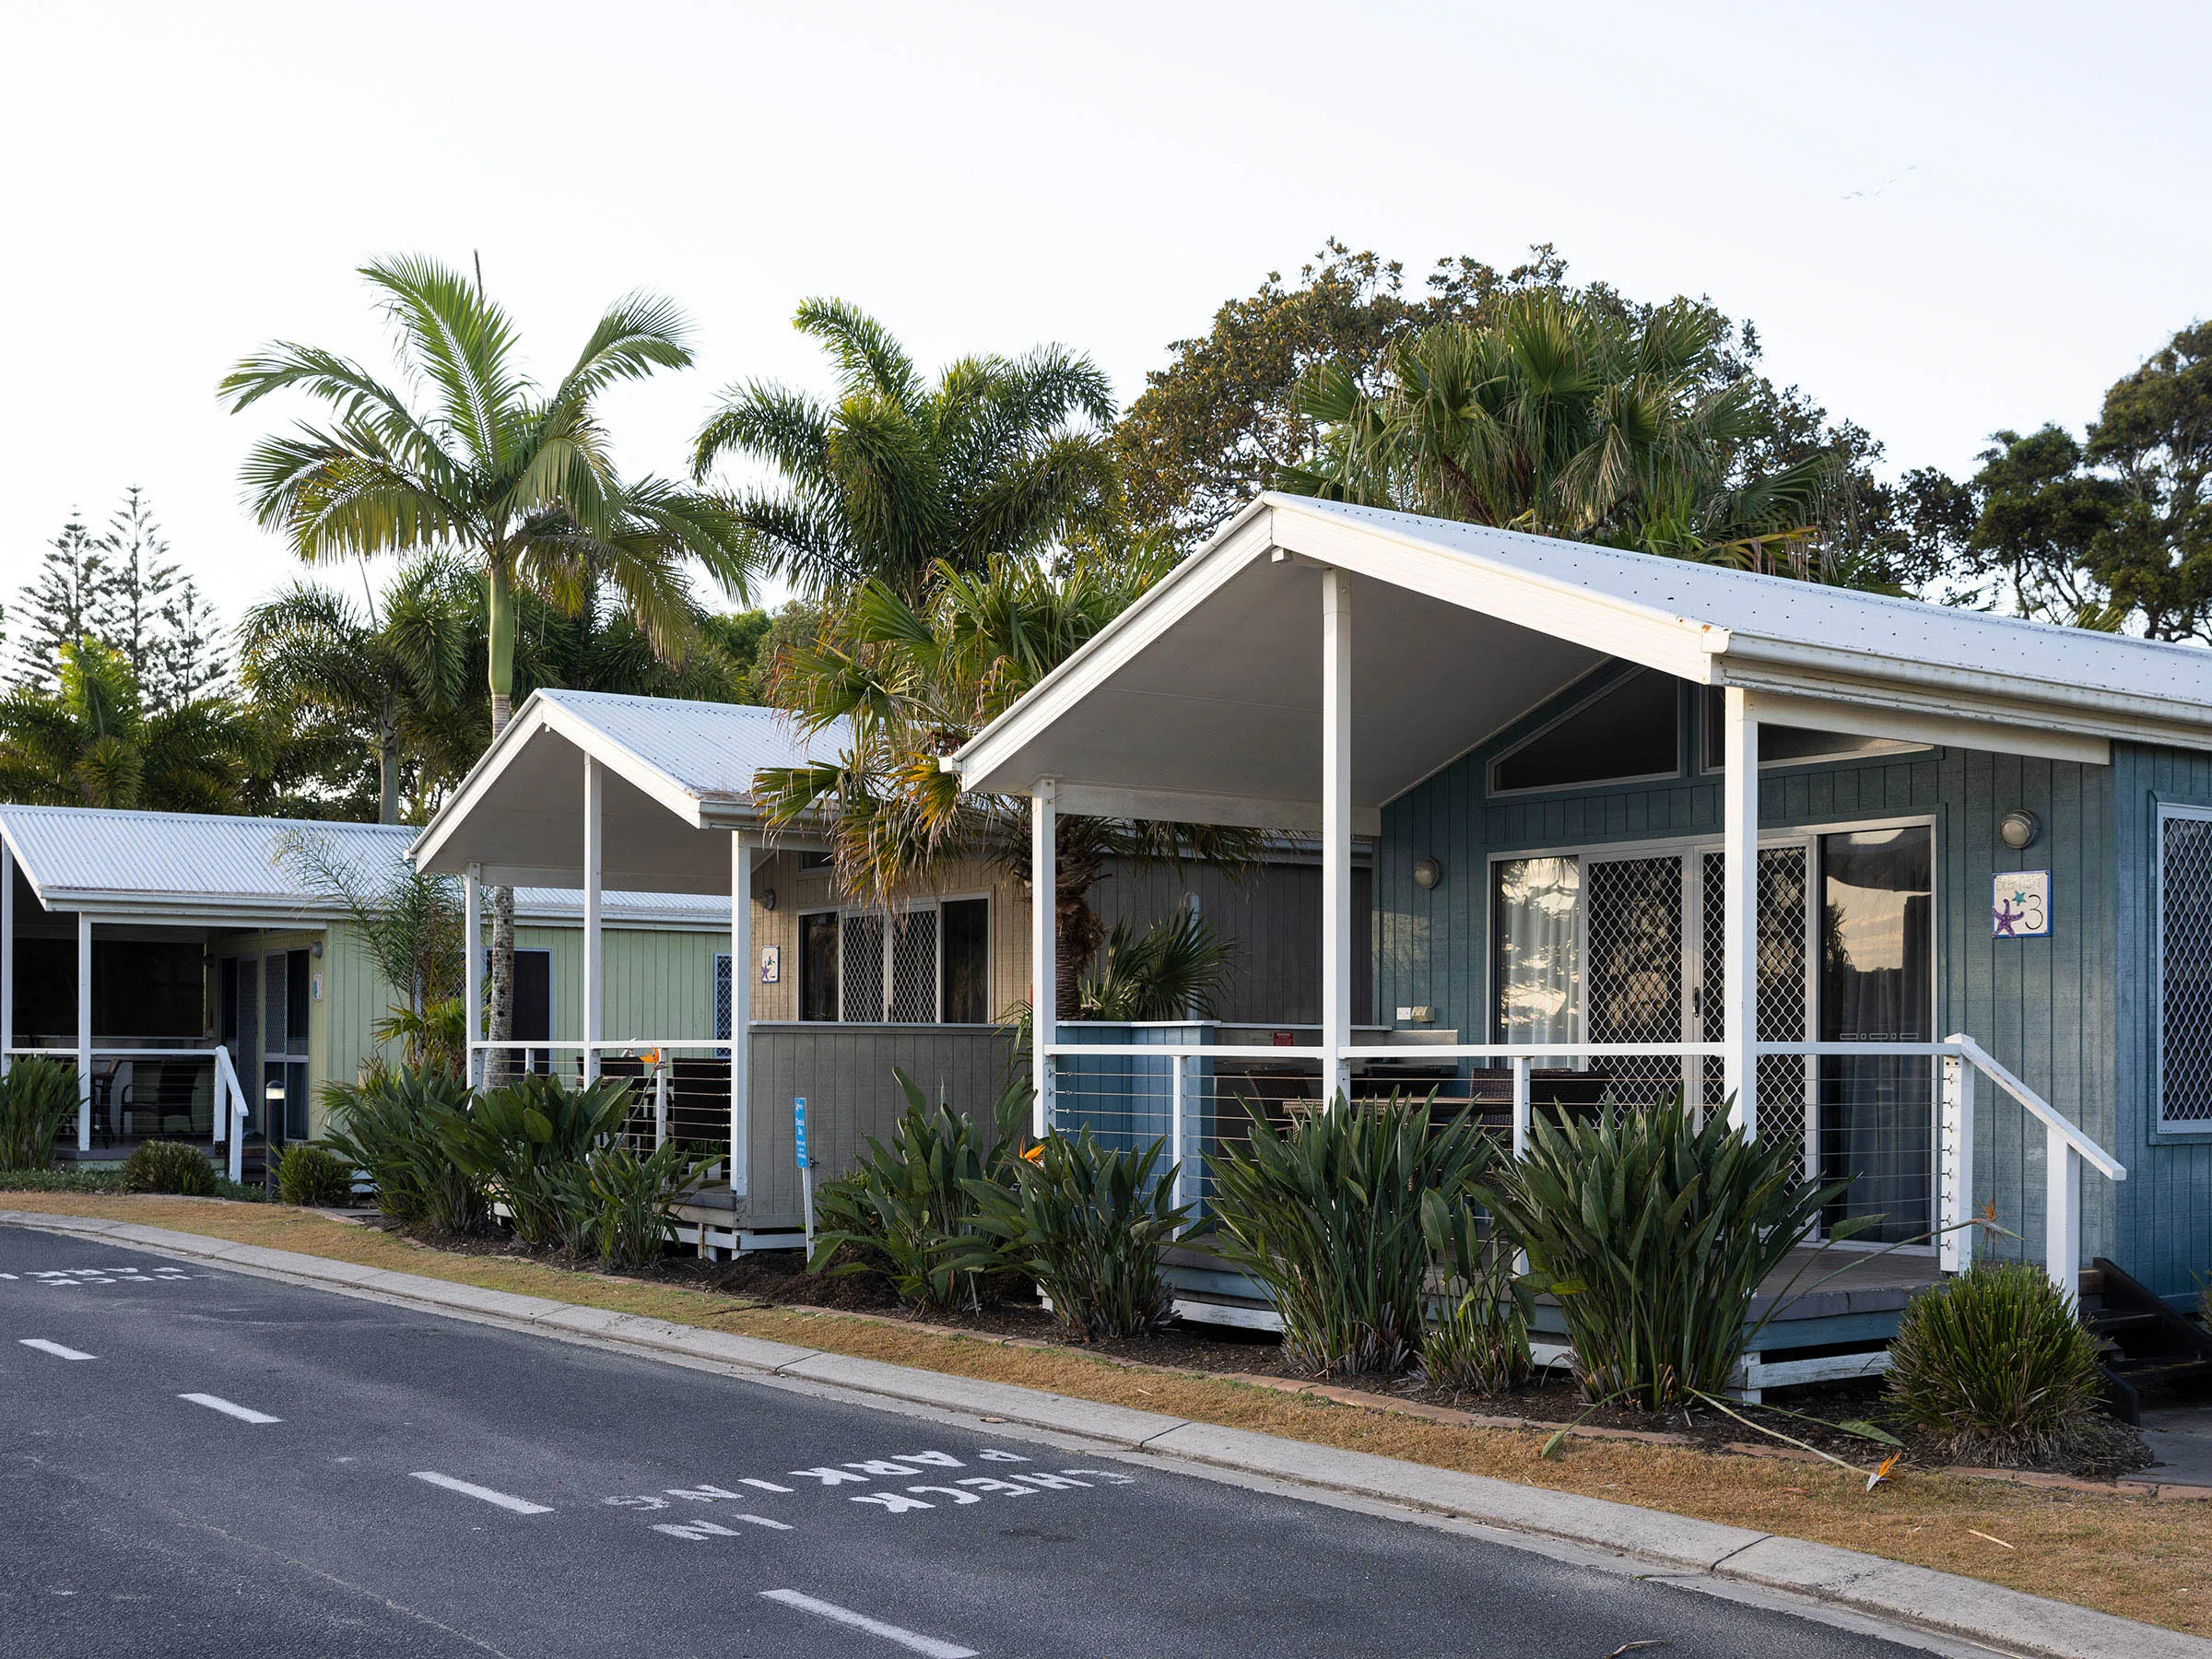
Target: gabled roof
671, 769
208, 870
1204, 697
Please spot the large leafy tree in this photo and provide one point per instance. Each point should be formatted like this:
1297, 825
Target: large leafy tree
94, 742
914, 680
515, 478
396, 673
1565, 418
896, 478
2110, 531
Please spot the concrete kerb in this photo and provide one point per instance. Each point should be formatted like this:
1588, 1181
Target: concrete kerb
1915, 1595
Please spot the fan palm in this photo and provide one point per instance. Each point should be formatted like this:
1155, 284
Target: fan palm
1002, 458
912, 682
517, 479
94, 743
1565, 420
399, 676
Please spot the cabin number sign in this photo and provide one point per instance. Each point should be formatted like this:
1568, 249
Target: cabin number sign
2020, 904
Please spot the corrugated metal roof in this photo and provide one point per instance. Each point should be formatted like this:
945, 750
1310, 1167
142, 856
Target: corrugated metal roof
711, 749
1827, 619
178, 865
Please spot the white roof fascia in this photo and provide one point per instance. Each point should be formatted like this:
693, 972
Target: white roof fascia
1865, 718
480, 778
627, 763
1238, 544
1620, 628
1841, 673
1190, 807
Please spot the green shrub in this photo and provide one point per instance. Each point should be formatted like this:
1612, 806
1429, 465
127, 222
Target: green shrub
159, 1166
1655, 1233
396, 1126
632, 1197
37, 1097
1995, 1365
907, 1209
1477, 1341
1088, 1223
314, 1177
1328, 1218
526, 1144
81, 1177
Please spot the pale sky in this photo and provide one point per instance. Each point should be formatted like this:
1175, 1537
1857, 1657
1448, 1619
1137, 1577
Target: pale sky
1944, 219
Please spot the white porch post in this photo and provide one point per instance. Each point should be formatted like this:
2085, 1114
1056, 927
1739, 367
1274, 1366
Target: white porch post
1044, 947
1336, 830
594, 943
84, 1032
1739, 992
2061, 1213
8, 953
743, 971
472, 969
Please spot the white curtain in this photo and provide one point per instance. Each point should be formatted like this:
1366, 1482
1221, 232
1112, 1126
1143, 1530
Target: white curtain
1539, 977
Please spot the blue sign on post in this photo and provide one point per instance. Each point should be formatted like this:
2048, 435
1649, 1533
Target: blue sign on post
798, 1123
798, 1118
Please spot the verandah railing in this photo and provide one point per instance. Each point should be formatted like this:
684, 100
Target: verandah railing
106, 1107
1902, 1119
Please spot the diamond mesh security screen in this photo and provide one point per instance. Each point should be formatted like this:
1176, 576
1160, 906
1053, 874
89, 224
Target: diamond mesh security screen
1783, 1013
2184, 969
861, 968
915, 966
721, 996
1633, 972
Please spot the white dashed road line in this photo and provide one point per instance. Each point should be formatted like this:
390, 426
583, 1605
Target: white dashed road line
521, 1506
874, 1627
55, 1348
244, 1414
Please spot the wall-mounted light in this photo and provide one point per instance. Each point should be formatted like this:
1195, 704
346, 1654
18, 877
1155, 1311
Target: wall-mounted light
315, 950
2018, 828
1426, 872
768, 899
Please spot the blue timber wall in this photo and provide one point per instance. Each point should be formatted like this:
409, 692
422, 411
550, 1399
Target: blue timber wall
2069, 1013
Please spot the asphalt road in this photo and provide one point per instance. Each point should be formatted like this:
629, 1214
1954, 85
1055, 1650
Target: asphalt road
197, 1462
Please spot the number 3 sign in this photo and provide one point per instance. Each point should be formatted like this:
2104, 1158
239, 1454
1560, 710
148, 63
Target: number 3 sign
2020, 904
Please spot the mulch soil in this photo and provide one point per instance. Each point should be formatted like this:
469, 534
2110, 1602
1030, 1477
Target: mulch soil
1811, 1416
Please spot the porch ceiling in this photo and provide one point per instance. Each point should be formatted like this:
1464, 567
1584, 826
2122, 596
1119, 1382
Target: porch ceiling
1220, 715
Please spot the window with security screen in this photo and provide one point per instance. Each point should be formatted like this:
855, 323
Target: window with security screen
2184, 968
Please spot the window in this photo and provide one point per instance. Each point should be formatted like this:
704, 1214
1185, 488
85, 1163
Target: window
818, 965
917, 966
1789, 744
1630, 730
1537, 910
966, 970
531, 1013
2184, 969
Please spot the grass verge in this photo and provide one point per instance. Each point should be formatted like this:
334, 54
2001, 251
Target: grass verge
2137, 1556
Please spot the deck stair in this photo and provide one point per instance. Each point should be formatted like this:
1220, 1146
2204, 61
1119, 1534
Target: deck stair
2148, 1344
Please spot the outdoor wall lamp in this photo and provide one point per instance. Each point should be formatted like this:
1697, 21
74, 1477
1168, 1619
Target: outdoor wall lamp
2018, 828
1426, 872
315, 950
768, 899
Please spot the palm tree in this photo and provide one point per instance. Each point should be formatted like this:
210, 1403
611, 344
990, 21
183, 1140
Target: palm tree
517, 480
1564, 419
399, 676
1002, 458
914, 682
94, 743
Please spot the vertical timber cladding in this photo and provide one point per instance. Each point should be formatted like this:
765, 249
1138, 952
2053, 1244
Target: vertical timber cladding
2043, 1007
2164, 1236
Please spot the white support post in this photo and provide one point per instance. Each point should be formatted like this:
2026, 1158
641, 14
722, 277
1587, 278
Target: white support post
743, 971
1521, 1106
7, 954
594, 940
2061, 1213
1955, 1151
660, 1101
236, 1155
84, 1032
1178, 1149
472, 971
1044, 948
1336, 831
1739, 939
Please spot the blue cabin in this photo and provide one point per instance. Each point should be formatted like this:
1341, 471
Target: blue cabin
1926, 890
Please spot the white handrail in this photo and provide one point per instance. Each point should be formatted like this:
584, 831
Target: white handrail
2111, 1168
